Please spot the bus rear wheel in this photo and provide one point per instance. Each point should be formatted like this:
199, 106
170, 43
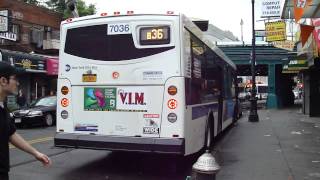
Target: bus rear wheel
209, 133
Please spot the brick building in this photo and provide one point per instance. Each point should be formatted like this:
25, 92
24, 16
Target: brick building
31, 28
27, 30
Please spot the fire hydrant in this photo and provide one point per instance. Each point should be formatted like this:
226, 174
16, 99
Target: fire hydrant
205, 168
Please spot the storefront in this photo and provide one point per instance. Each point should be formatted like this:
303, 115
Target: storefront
40, 77
309, 48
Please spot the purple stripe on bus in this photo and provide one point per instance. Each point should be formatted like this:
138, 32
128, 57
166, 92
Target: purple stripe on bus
203, 110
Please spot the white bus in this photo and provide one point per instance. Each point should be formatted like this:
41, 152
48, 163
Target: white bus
262, 91
141, 82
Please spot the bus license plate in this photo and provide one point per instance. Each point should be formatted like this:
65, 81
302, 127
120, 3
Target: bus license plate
89, 78
17, 120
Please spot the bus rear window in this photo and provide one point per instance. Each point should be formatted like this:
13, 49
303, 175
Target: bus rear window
92, 42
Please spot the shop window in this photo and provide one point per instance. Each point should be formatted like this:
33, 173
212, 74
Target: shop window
15, 29
37, 36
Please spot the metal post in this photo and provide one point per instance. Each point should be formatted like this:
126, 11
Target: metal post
253, 116
241, 24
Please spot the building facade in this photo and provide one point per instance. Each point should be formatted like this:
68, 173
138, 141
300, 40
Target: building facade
29, 39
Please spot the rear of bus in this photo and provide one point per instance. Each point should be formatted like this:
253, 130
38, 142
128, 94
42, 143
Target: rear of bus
120, 86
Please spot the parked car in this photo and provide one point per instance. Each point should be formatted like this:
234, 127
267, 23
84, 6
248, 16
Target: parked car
42, 111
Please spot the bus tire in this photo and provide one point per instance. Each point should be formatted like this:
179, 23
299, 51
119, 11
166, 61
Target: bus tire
209, 132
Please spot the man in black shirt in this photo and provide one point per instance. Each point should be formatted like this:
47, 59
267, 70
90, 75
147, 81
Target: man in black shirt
9, 85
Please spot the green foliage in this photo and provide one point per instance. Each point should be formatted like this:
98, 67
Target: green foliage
60, 6
56, 5
35, 2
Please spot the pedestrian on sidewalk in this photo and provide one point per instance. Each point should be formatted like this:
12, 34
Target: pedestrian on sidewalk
21, 99
8, 86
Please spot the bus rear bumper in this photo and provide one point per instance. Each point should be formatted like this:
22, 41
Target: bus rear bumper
119, 143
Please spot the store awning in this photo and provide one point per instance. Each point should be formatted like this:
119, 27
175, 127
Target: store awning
311, 10
29, 62
52, 66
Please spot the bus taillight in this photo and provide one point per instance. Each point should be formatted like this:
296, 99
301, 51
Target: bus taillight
172, 90
64, 90
172, 117
129, 12
64, 102
117, 13
104, 14
69, 20
172, 103
170, 12
64, 114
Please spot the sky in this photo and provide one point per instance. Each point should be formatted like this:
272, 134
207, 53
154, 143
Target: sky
225, 14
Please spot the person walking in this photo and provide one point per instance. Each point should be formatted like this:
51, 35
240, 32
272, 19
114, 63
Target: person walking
21, 99
9, 85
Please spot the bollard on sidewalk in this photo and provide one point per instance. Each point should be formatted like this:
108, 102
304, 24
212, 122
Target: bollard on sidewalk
205, 168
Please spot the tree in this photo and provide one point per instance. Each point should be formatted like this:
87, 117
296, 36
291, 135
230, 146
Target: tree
56, 5
60, 6
35, 2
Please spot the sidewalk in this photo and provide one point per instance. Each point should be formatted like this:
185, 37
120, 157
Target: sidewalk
283, 145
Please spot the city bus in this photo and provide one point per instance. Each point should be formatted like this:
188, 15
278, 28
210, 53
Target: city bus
142, 83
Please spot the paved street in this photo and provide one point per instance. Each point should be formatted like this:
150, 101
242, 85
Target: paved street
78, 164
283, 145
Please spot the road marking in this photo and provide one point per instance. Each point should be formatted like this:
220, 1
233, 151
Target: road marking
34, 141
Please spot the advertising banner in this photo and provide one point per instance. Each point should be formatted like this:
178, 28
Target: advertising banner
128, 99
270, 8
275, 31
316, 32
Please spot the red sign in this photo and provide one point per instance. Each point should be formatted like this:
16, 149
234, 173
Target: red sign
151, 115
132, 98
52, 66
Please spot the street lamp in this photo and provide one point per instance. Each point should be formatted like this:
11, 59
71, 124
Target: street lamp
253, 115
72, 6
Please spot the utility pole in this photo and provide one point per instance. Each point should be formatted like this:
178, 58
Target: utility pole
241, 24
253, 115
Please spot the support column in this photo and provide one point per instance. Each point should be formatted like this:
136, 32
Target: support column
272, 100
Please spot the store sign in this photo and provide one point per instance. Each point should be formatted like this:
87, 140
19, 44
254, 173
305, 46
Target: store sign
29, 64
8, 35
270, 8
275, 31
294, 66
287, 45
4, 21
